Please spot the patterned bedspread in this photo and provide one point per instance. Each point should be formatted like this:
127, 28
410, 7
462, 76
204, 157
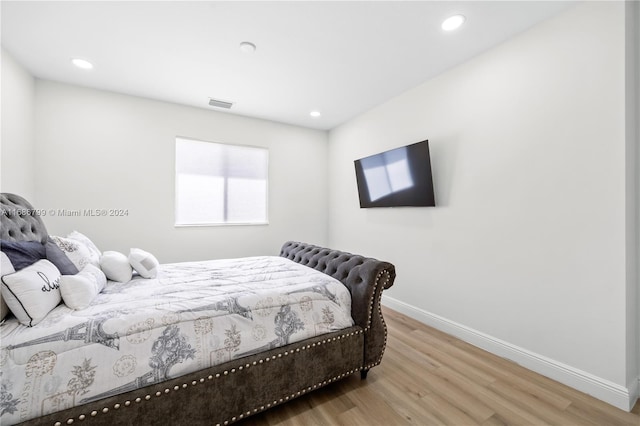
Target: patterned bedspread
194, 315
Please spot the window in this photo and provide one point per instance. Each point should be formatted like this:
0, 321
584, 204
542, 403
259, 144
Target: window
220, 184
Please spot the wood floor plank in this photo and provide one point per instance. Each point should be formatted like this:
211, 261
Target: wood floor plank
412, 356
461, 395
438, 352
380, 413
495, 420
530, 402
428, 377
409, 405
445, 411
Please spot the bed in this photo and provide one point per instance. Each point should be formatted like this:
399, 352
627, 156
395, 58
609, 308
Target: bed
184, 379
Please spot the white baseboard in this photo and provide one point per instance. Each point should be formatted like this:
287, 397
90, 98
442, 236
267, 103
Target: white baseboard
605, 390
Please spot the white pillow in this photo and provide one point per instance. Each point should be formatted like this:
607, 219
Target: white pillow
5, 268
116, 266
32, 292
79, 290
78, 252
144, 263
75, 235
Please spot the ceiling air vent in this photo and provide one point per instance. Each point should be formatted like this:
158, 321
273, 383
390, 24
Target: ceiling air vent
220, 104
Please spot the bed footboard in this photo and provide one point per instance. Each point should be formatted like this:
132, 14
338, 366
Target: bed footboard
225, 393
364, 277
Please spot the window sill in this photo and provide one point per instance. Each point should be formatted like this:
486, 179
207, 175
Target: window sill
200, 225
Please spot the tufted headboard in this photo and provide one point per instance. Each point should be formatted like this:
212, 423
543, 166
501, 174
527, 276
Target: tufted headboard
19, 221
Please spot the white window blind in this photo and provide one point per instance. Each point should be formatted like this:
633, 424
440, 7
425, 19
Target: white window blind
220, 184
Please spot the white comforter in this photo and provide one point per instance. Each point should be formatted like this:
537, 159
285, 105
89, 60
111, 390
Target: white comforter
194, 315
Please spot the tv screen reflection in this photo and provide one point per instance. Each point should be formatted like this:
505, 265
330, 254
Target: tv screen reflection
398, 177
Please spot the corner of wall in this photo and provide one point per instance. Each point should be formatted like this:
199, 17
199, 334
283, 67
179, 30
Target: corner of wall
632, 84
17, 141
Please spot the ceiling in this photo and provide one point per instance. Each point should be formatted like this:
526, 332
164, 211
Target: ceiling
339, 58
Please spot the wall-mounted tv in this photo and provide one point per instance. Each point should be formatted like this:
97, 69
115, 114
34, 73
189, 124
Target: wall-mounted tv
395, 178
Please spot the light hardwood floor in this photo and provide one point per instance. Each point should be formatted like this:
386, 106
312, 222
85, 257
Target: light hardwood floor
430, 378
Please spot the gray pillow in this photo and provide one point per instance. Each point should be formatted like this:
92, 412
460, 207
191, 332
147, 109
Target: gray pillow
59, 258
23, 253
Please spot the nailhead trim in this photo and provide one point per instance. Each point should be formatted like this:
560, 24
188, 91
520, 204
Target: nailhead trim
387, 277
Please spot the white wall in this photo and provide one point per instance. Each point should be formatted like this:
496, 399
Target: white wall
100, 150
526, 250
17, 152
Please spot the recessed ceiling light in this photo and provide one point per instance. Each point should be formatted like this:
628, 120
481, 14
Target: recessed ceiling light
453, 22
315, 114
82, 63
247, 47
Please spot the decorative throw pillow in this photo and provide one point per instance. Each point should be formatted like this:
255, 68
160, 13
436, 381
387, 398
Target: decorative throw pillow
79, 290
75, 235
23, 253
77, 252
5, 268
32, 292
144, 263
58, 258
116, 266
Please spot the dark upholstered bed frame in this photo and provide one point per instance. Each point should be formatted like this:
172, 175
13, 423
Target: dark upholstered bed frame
228, 392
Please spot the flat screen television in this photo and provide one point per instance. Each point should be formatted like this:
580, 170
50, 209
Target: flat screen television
396, 178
